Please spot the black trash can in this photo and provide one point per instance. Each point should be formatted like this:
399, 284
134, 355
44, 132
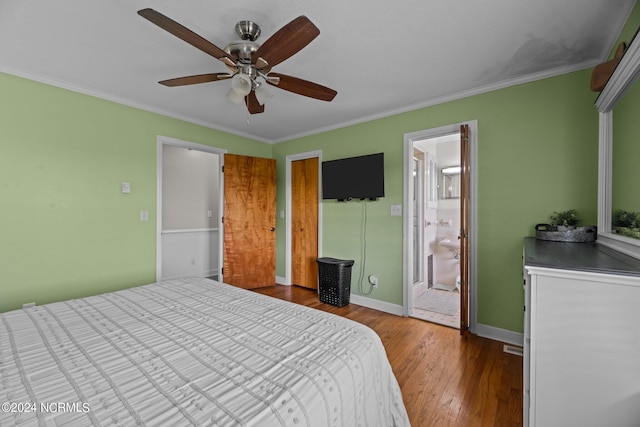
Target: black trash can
334, 280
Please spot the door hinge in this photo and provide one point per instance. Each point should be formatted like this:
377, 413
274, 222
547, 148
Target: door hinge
222, 168
222, 271
223, 220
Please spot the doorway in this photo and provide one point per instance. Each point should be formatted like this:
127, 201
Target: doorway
433, 289
436, 213
189, 201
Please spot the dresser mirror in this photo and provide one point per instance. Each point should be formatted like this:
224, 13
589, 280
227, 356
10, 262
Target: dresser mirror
619, 156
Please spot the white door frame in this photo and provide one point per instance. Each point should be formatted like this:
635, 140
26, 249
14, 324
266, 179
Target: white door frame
407, 253
288, 251
165, 140
421, 214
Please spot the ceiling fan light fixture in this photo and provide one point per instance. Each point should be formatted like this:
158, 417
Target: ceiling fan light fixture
263, 94
235, 97
241, 84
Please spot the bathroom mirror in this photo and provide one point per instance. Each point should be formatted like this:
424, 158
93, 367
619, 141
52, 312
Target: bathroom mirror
619, 155
450, 182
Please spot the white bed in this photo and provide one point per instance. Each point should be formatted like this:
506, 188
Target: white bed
192, 352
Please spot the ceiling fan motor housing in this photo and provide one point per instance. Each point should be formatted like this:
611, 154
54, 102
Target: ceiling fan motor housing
248, 30
242, 49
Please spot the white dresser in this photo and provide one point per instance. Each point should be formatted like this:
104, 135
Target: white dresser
581, 336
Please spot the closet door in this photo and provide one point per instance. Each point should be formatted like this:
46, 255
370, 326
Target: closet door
249, 221
304, 222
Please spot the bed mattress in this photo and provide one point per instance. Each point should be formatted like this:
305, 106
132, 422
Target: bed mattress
192, 352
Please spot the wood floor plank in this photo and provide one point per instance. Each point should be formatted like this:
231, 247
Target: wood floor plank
446, 379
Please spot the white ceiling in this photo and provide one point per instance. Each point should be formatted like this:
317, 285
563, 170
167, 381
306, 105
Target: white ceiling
382, 57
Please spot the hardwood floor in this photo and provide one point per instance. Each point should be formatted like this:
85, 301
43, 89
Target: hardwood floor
446, 380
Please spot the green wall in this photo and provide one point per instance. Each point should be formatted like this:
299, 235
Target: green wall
537, 153
66, 229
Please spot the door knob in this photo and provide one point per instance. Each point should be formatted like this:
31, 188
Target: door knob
272, 229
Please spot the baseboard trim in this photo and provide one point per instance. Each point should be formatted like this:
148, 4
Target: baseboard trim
282, 281
486, 331
497, 334
376, 305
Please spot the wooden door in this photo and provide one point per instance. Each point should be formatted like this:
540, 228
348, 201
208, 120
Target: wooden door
304, 222
249, 221
464, 230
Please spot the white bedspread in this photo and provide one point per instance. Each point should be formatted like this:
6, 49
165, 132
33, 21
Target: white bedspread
192, 352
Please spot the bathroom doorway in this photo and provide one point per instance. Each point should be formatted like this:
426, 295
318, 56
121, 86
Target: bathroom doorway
439, 179
436, 281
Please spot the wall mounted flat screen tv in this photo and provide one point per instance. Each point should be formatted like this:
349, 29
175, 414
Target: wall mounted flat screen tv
359, 177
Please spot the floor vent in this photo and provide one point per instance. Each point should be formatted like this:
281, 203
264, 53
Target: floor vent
511, 349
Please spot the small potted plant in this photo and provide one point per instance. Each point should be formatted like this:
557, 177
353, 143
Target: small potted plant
562, 228
565, 220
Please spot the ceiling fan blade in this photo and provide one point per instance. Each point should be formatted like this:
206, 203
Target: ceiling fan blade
187, 35
287, 41
302, 87
253, 105
191, 80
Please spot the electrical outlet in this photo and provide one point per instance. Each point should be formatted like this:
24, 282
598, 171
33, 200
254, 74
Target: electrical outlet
373, 280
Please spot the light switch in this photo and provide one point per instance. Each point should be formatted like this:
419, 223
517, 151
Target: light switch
396, 210
126, 187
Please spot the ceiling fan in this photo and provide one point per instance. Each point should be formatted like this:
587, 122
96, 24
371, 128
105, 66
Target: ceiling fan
250, 63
